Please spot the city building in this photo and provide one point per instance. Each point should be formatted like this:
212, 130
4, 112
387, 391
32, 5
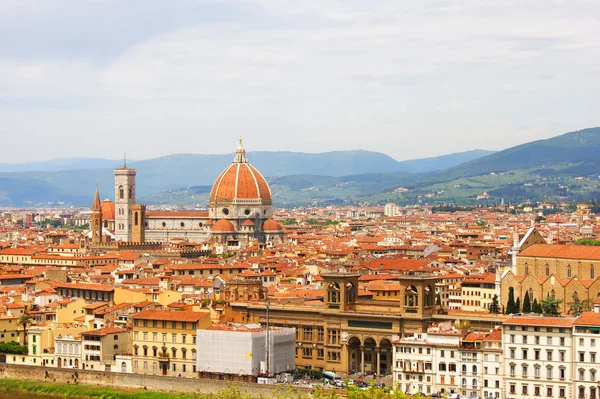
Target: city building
164, 342
239, 352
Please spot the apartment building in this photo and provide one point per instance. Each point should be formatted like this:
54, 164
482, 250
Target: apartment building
428, 362
586, 339
164, 342
492, 360
538, 357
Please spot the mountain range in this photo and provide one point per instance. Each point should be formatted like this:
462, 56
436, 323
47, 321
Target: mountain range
562, 168
70, 181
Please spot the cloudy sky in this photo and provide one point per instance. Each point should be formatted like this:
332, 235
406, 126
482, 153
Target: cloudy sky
407, 78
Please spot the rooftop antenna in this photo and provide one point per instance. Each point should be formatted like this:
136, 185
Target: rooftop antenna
125, 159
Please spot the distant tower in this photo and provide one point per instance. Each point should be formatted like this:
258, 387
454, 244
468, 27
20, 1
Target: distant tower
138, 222
96, 220
124, 200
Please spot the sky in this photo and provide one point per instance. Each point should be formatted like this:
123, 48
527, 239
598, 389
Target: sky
411, 79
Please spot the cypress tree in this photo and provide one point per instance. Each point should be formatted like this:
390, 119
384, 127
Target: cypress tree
510, 305
536, 308
518, 306
526, 303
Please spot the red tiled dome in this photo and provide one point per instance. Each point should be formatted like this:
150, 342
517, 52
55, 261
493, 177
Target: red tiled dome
223, 226
240, 180
271, 225
108, 210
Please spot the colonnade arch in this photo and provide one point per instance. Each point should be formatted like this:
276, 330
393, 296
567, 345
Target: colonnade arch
368, 355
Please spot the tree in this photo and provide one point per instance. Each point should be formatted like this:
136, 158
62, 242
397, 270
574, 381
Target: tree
518, 306
510, 305
438, 300
526, 303
536, 308
578, 306
550, 306
494, 308
24, 321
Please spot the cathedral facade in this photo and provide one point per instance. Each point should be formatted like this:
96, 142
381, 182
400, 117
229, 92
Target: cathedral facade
240, 211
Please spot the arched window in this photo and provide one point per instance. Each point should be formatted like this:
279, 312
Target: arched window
592, 274
526, 269
121, 192
129, 192
547, 270
411, 296
474, 382
123, 367
568, 271
464, 368
333, 293
474, 369
531, 294
464, 382
553, 294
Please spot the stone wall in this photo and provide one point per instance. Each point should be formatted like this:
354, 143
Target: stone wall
124, 380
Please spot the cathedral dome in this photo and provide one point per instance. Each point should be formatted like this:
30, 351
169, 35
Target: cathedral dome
223, 226
240, 180
272, 225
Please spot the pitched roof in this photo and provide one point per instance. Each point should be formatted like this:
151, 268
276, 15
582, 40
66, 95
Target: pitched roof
562, 251
167, 315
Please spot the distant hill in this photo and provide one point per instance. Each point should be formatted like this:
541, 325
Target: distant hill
55, 165
431, 164
579, 150
189, 170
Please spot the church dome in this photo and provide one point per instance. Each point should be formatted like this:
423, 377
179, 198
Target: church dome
223, 226
272, 225
240, 180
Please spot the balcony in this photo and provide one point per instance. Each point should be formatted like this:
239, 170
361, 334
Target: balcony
163, 356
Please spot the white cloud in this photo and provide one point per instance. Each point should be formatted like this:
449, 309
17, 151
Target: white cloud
409, 79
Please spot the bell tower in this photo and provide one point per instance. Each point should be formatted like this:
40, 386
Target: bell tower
124, 200
96, 220
340, 290
138, 223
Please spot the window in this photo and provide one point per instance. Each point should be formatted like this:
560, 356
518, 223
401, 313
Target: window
537, 339
562, 356
581, 375
524, 389
525, 370
513, 389
568, 271
549, 340
561, 392
593, 357
524, 339
592, 274
512, 339
536, 371
549, 355
549, 373
562, 341
536, 391
173, 338
512, 370
581, 342
536, 354
524, 354
581, 356
561, 373
547, 270
512, 353
549, 391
